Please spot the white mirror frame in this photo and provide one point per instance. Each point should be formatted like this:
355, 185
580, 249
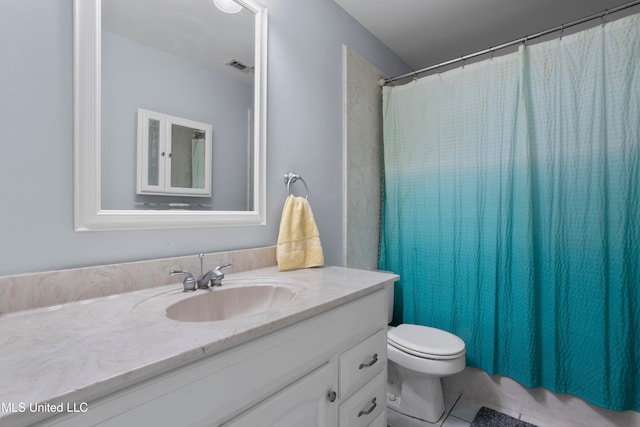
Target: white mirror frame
88, 214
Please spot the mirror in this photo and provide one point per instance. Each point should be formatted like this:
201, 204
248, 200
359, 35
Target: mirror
105, 127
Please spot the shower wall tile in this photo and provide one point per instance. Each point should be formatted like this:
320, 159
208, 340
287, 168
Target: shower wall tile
363, 153
30, 291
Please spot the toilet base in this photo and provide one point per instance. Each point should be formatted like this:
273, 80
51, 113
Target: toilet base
418, 396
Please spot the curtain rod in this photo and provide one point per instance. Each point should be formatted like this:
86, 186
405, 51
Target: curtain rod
524, 39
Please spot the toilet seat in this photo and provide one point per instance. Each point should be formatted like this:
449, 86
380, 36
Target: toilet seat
426, 342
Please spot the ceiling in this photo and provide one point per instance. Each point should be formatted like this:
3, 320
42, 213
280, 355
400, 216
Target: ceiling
428, 32
194, 30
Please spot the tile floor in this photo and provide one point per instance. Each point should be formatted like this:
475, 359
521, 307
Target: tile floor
459, 412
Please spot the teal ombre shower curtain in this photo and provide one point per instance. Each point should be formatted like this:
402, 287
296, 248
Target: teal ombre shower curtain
511, 211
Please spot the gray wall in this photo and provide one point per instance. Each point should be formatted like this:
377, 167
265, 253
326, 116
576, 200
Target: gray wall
36, 135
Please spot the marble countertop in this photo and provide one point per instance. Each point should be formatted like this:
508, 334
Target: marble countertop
83, 350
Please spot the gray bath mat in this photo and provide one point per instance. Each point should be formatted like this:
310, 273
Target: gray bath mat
489, 418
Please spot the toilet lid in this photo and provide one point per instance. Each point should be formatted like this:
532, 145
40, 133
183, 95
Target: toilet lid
424, 341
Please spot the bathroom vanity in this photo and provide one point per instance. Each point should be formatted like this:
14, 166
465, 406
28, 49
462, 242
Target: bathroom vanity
318, 360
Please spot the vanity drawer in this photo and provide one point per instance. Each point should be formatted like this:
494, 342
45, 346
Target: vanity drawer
362, 362
366, 405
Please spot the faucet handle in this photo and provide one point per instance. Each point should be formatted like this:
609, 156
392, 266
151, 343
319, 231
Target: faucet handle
218, 275
189, 283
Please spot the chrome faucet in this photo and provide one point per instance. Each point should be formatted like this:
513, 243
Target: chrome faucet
214, 276
189, 283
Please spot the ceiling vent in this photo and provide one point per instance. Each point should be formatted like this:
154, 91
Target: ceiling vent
239, 65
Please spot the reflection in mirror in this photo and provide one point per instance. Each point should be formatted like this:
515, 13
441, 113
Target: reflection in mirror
186, 59
170, 56
188, 160
174, 158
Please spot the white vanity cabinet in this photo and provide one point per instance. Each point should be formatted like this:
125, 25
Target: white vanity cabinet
362, 381
314, 401
304, 403
327, 370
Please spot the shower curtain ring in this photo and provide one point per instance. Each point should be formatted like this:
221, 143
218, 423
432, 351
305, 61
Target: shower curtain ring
561, 31
604, 17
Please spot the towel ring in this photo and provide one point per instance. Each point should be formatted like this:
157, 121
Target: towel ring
290, 178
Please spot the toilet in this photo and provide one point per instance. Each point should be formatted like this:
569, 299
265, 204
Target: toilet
417, 357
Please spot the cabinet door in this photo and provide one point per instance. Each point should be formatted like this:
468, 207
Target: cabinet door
174, 155
152, 152
303, 403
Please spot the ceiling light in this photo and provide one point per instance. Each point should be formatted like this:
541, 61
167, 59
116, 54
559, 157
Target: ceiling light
228, 6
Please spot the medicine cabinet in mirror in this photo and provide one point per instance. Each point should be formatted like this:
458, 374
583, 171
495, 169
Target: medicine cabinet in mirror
174, 155
201, 77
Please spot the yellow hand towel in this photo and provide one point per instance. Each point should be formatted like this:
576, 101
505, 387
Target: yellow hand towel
299, 240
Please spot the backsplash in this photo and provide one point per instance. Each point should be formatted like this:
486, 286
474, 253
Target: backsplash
37, 290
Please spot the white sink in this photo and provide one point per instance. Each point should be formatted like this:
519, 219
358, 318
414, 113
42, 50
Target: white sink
230, 303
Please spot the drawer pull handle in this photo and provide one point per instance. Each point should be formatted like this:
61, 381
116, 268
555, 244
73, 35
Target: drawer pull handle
332, 396
371, 408
374, 359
